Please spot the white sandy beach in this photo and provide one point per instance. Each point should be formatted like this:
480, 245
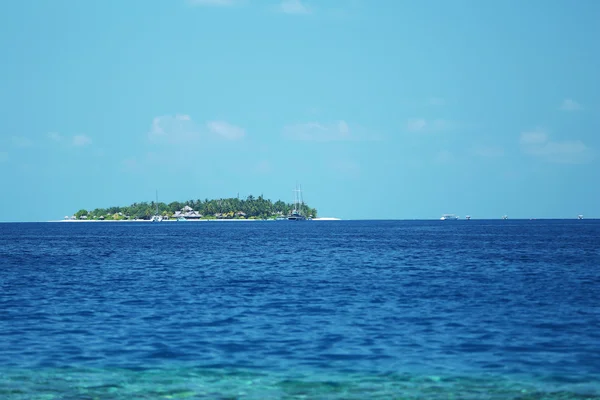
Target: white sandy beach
189, 220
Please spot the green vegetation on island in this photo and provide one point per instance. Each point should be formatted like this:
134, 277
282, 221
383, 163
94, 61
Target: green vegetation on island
232, 208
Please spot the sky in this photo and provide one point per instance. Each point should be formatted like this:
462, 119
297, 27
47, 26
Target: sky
383, 109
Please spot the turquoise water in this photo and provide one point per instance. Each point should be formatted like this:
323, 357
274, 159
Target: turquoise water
326, 310
190, 383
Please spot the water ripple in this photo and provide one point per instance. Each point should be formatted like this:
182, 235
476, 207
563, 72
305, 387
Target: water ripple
513, 299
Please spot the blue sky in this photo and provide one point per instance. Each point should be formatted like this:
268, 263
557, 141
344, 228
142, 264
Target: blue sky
380, 109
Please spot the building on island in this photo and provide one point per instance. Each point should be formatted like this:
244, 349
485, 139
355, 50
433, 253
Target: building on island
187, 212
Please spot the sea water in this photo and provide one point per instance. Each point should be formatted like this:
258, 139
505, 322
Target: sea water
300, 310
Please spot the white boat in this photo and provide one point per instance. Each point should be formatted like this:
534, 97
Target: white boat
450, 217
156, 217
505, 217
296, 214
580, 216
468, 217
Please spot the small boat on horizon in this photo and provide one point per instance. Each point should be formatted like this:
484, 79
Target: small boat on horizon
296, 214
156, 217
447, 217
580, 216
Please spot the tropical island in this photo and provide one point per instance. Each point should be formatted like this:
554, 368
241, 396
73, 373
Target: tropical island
253, 208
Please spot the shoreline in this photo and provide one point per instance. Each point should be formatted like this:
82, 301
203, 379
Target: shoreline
189, 220
318, 219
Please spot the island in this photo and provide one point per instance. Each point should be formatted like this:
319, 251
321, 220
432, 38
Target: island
251, 208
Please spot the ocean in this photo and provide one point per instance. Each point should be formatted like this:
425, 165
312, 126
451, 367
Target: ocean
301, 310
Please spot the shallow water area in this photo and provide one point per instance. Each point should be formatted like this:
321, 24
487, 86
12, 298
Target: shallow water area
331, 309
180, 383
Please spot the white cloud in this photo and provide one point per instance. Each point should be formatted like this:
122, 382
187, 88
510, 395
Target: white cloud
81, 140
293, 7
20, 141
537, 143
423, 125
178, 129
570, 105
318, 132
76, 141
211, 2
226, 130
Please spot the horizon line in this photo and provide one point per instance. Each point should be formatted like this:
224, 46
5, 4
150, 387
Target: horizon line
349, 219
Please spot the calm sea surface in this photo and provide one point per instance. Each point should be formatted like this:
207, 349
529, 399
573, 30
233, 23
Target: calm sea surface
269, 310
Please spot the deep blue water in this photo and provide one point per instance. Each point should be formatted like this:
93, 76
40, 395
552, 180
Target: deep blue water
336, 309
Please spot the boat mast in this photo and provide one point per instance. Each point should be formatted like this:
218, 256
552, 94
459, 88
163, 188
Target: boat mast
156, 201
297, 197
301, 199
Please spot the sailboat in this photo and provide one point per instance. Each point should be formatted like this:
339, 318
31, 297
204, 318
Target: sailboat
156, 217
296, 214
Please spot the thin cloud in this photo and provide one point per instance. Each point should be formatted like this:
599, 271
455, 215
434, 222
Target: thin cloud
81, 140
538, 144
226, 130
444, 157
55, 136
177, 129
436, 101
218, 3
180, 129
416, 125
570, 105
131, 165
424, 125
20, 141
294, 7
488, 151
535, 137
345, 168
75, 141
263, 167
323, 132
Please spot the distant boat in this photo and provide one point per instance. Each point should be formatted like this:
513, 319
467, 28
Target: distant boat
156, 217
505, 217
450, 217
296, 214
580, 216
468, 217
